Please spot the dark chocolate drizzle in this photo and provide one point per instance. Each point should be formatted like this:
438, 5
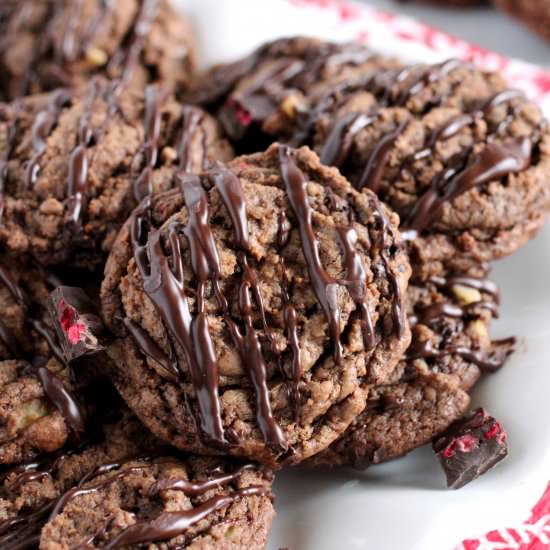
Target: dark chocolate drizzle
143, 184
430, 315
150, 348
338, 144
191, 119
426, 350
170, 524
484, 285
166, 290
493, 162
63, 401
42, 127
324, 286
374, 170
77, 175
398, 315
356, 283
141, 28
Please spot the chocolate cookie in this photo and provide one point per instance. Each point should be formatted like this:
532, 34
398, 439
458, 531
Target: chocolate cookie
535, 15
74, 164
450, 347
258, 97
101, 478
62, 43
253, 304
462, 159
29, 491
165, 502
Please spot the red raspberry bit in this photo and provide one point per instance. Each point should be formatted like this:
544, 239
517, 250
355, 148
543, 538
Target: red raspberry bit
449, 450
493, 431
241, 114
66, 318
75, 332
67, 321
467, 443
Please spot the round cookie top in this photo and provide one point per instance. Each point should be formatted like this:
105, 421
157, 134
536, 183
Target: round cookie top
450, 349
462, 159
74, 164
262, 92
61, 43
260, 299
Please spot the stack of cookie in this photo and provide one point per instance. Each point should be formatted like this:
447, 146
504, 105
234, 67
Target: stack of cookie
207, 278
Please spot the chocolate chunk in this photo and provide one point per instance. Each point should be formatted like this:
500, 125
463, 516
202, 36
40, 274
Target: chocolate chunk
77, 322
471, 447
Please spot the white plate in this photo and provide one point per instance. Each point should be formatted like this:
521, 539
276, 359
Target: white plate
403, 505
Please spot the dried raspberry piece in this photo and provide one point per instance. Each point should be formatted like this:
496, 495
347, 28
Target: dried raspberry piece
77, 322
471, 447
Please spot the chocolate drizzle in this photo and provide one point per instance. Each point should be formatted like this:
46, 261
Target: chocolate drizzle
398, 316
248, 344
374, 170
63, 401
166, 290
493, 162
42, 127
338, 144
191, 118
356, 283
324, 286
432, 314
143, 184
485, 285
150, 348
77, 176
141, 28
426, 350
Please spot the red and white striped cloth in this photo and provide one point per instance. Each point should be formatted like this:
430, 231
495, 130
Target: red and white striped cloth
394, 34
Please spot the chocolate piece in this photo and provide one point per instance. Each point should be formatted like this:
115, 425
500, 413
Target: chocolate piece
52, 44
470, 447
244, 306
75, 164
77, 322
